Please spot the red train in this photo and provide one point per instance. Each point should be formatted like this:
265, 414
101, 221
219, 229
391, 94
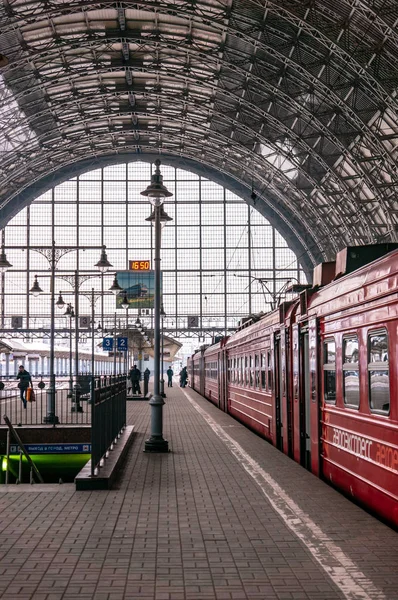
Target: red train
318, 377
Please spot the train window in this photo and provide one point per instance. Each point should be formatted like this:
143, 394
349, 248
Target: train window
257, 372
263, 372
351, 371
251, 378
329, 371
269, 368
378, 372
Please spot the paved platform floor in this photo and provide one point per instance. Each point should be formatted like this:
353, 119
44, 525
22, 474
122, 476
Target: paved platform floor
222, 516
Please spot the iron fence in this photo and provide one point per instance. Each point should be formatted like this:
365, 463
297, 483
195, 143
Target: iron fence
108, 417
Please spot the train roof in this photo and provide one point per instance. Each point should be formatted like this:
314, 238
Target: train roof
375, 280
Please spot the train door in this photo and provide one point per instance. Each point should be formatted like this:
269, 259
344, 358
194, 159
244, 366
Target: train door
223, 376
305, 404
278, 390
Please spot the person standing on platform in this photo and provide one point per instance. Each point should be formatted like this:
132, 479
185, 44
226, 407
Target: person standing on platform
183, 377
170, 374
135, 376
23, 384
147, 374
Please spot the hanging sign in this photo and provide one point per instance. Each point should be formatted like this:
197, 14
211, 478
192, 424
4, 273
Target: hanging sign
122, 344
107, 344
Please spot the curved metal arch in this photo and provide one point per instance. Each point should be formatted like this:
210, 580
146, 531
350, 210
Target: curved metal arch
293, 136
278, 193
303, 246
194, 10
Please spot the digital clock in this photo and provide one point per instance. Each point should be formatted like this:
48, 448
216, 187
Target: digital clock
140, 265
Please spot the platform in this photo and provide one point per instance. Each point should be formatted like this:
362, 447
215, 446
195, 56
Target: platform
223, 516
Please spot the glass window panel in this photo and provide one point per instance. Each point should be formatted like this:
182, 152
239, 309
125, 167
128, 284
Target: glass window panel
41, 236
212, 237
15, 236
236, 214
330, 386
90, 191
115, 172
351, 388
188, 259
168, 237
212, 258
66, 192
90, 236
187, 191
115, 237
39, 214
378, 347
237, 236
65, 236
139, 237
114, 214
188, 237
284, 258
379, 390
115, 191
188, 284
261, 237
187, 214
262, 258
65, 214
188, 304
90, 214
329, 351
140, 171
237, 283
169, 260
237, 258
212, 214
256, 218
212, 282
211, 192
350, 350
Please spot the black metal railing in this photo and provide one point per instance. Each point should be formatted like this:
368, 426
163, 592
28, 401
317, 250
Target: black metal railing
108, 417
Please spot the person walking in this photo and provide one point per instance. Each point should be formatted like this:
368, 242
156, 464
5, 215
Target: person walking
135, 376
24, 380
170, 374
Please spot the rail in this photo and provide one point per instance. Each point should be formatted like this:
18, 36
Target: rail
108, 417
32, 465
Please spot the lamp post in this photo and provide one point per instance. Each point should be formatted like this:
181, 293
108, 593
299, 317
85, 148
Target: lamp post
70, 313
53, 255
162, 316
157, 192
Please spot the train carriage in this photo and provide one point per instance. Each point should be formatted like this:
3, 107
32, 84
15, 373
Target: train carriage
318, 377
214, 368
357, 322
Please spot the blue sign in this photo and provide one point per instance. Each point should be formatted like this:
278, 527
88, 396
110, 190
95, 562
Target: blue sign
107, 344
122, 344
53, 448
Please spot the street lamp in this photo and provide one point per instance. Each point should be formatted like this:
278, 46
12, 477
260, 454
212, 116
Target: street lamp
4, 263
70, 313
53, 255
157, 192
162, 316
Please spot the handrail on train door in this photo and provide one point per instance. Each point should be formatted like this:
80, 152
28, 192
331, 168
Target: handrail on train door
22, 447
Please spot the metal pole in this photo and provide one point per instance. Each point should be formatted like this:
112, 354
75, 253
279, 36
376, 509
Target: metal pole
162, 393
70, 356
8, 456
51, 416
76, 325
156, 443
114, 347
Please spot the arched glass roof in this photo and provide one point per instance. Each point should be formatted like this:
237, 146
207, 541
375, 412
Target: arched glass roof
294, 100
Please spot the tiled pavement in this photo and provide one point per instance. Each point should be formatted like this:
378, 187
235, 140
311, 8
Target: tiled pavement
222, 516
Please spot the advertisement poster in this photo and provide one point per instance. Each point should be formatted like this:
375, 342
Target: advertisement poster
139, 288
